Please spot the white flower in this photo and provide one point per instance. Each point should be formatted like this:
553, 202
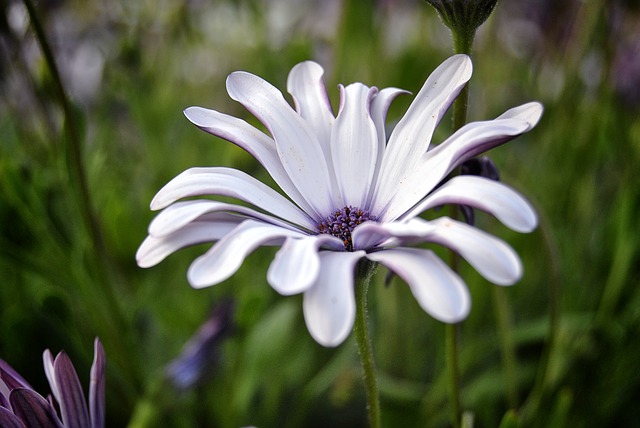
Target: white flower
351, 195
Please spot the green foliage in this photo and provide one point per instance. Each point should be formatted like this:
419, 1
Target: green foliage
574, 318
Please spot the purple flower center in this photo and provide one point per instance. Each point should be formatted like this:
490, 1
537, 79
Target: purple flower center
342, 222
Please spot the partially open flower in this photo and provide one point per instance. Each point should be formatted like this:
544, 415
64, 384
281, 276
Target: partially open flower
22, 407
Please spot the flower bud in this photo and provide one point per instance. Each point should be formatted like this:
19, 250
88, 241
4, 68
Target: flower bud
481, 166
463, 16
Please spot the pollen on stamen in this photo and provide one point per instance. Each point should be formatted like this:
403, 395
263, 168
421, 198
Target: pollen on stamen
342, 222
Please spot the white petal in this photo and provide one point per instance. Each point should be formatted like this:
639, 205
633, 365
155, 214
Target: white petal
230, 182
179, 214
411, 137
227, 255
379, 107
297, 264
298, 148
504, 203
371, 234
329, 306
354, 145
470, 140
154, 249
490, 256
529, 112
309, 93
438, 290
259, 145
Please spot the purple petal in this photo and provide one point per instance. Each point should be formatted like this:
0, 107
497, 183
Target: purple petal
437, 289
50, 373
33, 410
9, 420
504, 203
11, 377
411, 137
298, 148
329, 305
97, 385
297, 264
354, 145
73, 405
227, 255
259, 145
230, 182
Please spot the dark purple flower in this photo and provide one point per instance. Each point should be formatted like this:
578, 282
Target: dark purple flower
22, 407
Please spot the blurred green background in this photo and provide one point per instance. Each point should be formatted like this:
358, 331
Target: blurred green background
131, 67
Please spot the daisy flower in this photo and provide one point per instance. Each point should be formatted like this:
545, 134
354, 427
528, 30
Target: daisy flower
349, 194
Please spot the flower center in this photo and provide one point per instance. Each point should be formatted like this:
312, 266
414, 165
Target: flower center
342, 222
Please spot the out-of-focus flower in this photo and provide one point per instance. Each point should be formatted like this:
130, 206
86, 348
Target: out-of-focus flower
463, 15
352, 195
22, 407
201, 351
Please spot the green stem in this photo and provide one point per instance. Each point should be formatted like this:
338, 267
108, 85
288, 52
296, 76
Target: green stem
462, 42
102, 263
507, 344
365, 351
453, 370
533, 401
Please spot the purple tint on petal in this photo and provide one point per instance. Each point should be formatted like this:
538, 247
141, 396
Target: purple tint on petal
9, 420
97, 385
221, 181
73, 405
470, 140
33, 410
155, 249
4, 401
12, 377
49, 371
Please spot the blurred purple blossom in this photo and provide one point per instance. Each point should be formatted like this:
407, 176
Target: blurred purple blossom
201, 352
22, 407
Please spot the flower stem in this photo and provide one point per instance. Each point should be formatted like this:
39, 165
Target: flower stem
73, 145
365, 351
507, 344
453, 371
102, 262
462, 42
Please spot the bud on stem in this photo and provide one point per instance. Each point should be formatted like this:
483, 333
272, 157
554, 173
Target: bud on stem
463, 17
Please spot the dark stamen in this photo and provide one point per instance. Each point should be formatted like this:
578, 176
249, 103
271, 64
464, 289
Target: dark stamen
342, 222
